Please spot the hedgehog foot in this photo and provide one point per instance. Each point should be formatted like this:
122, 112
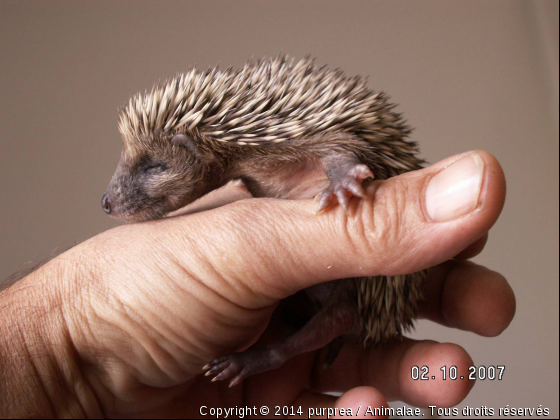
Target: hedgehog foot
343, 186
239, 366
334, 320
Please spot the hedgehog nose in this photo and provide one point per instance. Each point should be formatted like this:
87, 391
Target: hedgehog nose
105, 204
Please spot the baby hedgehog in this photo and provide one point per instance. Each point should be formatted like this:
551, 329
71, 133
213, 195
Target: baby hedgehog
287, 129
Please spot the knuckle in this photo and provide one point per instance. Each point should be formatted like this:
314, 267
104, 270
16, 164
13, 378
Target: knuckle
382, 223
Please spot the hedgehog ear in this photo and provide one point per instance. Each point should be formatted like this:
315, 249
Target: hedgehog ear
189, 144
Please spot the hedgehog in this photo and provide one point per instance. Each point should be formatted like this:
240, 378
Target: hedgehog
285, 129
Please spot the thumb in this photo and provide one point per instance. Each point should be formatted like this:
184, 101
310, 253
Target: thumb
405, 224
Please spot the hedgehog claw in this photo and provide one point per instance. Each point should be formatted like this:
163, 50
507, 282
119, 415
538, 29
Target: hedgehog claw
360, 172
213, 363
238, 366
326, 199
343, 198
343, 189
228, 367
235, 381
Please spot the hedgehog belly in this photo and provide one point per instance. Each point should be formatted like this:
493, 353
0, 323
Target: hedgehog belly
387, 305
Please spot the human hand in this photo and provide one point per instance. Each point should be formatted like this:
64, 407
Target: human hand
130, 316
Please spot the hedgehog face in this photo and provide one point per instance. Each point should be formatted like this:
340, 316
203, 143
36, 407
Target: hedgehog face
151, 184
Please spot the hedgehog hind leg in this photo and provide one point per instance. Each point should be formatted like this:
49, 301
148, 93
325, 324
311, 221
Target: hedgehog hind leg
323, 329
346, 174
332, 350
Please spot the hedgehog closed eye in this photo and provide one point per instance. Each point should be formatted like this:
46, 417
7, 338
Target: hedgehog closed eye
155, 168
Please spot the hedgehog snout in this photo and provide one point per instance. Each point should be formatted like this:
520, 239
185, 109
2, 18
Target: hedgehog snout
106, 204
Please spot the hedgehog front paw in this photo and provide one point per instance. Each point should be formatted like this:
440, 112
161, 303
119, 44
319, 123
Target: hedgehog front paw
342, 189
238, 366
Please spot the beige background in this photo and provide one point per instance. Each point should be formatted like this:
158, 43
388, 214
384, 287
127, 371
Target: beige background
467, 75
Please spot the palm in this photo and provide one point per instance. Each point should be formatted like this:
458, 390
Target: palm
302, 382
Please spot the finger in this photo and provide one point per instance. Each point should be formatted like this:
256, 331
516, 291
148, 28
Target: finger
313, 405
273, 248
473, 249
461, 294
354, 403
362, 401
390, 369
229, 193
